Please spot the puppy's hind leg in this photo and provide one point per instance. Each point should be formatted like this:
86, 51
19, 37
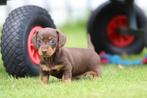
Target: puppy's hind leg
95, 72
91, 73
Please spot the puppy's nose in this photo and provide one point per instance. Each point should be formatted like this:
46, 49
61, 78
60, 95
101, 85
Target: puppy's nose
44, 49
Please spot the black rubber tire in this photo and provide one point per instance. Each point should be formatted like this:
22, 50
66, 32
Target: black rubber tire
14, 39
3, 2
145, 34
98, 23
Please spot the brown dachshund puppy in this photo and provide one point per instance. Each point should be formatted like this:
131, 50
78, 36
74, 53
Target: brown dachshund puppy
61, 62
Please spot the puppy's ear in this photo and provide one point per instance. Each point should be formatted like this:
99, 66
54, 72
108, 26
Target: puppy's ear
34, 39
61, 38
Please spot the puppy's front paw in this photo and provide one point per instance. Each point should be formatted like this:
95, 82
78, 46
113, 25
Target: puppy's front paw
67, 81
44, 79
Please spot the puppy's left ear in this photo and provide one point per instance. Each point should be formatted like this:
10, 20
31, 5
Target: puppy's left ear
61, 38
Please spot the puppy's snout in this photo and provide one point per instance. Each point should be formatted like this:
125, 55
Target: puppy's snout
43, 52
44, 48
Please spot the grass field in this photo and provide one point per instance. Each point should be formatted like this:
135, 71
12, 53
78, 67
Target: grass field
114, 83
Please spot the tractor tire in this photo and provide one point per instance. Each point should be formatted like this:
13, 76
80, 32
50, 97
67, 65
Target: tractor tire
104, 23
19, 56
145, 34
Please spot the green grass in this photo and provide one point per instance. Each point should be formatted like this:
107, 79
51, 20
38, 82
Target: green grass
114, 83
76, 34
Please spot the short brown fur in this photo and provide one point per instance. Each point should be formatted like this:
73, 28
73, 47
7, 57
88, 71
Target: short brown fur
65, 63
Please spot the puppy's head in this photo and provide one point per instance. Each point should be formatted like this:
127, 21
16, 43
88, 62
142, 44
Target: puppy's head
48, 40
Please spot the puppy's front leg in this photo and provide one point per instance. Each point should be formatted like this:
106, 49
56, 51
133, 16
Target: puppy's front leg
67, 75
45, 77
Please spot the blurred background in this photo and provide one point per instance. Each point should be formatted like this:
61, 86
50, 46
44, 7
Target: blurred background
60, 10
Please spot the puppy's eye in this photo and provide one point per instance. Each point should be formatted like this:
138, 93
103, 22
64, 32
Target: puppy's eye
52, 42
39, 42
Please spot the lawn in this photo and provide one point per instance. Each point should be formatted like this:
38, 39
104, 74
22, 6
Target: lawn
115, 83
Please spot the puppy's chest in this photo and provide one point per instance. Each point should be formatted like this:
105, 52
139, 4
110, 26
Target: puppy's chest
57, 70
54, 66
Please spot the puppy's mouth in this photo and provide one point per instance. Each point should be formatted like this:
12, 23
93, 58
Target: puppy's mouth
47, 52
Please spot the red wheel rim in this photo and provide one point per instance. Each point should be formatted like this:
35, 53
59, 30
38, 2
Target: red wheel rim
114, 37
33, 53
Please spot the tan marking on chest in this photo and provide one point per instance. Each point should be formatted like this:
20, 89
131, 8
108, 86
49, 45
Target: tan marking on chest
57, 67
44, 68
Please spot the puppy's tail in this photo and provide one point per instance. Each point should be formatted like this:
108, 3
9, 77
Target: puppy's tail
90, 45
